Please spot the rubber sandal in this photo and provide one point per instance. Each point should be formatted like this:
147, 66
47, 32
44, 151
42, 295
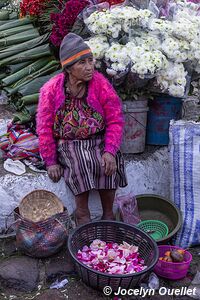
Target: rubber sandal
14, 166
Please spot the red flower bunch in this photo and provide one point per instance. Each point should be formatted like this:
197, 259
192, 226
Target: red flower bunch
64, 21
32, 7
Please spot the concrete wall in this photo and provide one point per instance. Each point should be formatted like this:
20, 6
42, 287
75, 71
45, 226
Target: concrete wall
147, 174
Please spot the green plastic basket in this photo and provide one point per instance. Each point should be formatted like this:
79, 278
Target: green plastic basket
156, 229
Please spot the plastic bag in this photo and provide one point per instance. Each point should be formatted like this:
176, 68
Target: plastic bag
145, 4
184, 158
128, 209
137, 3
87, 11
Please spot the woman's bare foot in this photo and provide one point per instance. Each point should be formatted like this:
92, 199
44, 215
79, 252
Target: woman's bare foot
82, 213
82, 216
107, 199
108, 217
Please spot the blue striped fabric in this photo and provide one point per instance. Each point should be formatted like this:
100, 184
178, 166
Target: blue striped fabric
184, 162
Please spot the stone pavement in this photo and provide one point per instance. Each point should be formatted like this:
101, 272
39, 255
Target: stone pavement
23, 277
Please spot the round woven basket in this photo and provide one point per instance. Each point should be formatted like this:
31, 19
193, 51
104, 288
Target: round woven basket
117, 232
39, 205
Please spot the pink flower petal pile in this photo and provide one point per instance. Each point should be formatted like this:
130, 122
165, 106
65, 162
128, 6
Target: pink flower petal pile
111, 258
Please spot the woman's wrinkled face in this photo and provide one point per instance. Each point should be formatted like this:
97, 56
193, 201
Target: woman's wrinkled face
83, 69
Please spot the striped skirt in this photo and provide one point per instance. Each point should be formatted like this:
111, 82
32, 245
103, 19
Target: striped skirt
82, 163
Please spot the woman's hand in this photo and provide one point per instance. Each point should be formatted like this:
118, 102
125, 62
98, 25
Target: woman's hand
109, 162
55, 172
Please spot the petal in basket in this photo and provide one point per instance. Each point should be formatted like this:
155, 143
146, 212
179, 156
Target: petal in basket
39, 205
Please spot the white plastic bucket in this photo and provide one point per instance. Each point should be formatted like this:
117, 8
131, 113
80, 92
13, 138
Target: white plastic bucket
135, 113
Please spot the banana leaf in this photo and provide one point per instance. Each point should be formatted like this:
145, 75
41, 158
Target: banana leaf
8, 90
4, 15
15, 30
27, 100
49, 68
5, 22
13, 15
35, 85
3, 70
24, 46
4, 2
2, 75
11, 69
32, 68
31, 54
30, 109
16, 23
19, 38
21, 118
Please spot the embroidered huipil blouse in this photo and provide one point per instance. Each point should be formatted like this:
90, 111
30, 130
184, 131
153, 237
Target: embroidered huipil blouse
77, 120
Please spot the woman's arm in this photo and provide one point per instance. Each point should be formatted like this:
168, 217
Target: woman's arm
45, 120
114, 119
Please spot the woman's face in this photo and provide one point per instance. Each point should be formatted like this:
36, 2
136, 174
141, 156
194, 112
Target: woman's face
83, 69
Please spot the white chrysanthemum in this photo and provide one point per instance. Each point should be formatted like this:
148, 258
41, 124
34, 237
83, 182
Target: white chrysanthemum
173, 79
117, 57
183, 28
176, 90
145, 62
98, 45
148, 51
144, 17
195, 49
175, 49
148, 41
160, 26
103, 22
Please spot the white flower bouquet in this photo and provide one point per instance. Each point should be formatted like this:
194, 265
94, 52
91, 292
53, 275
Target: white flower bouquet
131, 40
117, 58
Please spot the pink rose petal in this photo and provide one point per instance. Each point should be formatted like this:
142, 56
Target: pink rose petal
111, 258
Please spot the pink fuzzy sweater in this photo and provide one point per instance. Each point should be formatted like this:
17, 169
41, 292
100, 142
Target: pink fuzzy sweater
101, 96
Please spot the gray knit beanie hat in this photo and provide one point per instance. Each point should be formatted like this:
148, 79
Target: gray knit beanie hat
72, 49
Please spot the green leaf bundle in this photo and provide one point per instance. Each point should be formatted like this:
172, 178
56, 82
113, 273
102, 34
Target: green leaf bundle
31, 54
13, 16
30, 109
48, 68
26, 71
18, 38
2, 75
11, 69
35, 85
27, 100
21, 118
4, 15
15, 30
23, 46
16, 23
5, 22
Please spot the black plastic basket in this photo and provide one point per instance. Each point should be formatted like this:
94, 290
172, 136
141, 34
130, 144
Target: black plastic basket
112, 231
